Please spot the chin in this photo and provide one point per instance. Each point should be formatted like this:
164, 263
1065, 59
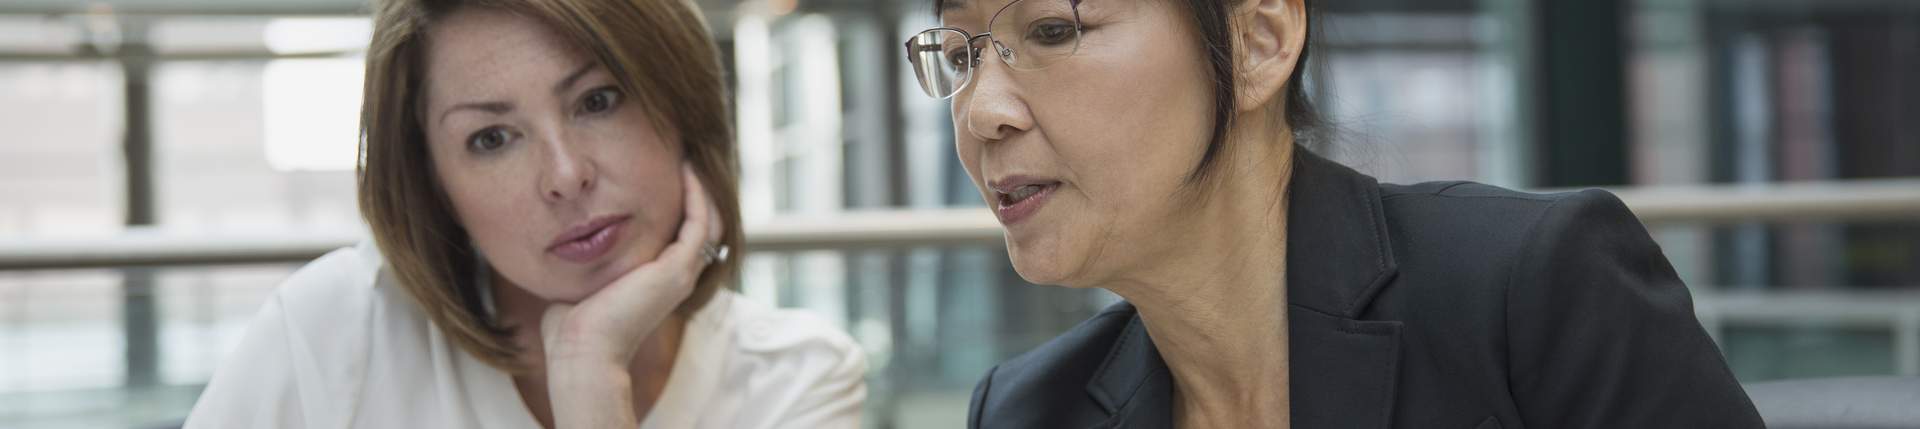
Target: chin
573, 286
571, 293
1037, 266
588, 283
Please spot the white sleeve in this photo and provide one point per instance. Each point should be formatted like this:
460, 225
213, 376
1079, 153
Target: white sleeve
299, 362
255, 386
814, 375
831, 397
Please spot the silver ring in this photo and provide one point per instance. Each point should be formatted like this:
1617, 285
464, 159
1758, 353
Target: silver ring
714, 253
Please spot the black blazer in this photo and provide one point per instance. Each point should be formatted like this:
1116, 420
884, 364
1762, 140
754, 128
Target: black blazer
1437, 305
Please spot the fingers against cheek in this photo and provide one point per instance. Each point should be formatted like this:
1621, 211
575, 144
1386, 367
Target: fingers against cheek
693, 206
699, 207
700, 210
714, 221
683, 255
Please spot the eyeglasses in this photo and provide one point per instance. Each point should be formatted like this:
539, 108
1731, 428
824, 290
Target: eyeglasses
1041, 33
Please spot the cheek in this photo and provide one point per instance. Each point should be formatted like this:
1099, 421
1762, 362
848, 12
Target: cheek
1157, 132
478, 191
500, 219
1128, 148
969, 152
1128, 154
651, 187
487, 203
496, 200
964, 145
640, 171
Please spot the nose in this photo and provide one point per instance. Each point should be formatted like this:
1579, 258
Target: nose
995, 108
569, 171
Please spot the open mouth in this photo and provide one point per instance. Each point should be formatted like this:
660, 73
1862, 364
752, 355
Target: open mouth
1021, 197
1022, 193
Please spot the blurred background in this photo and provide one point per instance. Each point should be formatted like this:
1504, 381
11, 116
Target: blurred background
167, 163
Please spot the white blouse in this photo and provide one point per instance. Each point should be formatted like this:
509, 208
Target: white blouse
341, 345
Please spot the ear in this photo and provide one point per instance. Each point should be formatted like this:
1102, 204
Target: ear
1271, 34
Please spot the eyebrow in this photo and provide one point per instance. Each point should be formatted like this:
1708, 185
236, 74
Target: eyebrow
494, 107
574, 77
943, 6
502, 107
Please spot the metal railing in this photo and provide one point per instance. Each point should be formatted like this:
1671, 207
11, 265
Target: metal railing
1896, 312
1889, 199
152, 247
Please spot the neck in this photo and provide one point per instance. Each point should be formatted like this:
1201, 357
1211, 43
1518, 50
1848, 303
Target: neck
1215, 304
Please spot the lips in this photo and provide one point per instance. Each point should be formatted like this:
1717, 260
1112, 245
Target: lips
1019, 197
589, 241
1016, 195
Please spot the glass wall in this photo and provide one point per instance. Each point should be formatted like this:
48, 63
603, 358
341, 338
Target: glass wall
1776, 92
249, 117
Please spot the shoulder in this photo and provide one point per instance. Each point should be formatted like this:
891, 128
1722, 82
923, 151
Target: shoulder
787, 347
1459, 202
787, 336
1575, 293
1473, 228
304, 354
1443, 203
1068, 359
335, 302
1570, 291
791, 368
1050, 381
1530, 256
321, 309
341, 282
1486, 250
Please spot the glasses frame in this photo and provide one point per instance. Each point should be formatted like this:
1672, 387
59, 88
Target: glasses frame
974, 47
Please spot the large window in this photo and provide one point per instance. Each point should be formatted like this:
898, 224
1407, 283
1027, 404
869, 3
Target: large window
243, 120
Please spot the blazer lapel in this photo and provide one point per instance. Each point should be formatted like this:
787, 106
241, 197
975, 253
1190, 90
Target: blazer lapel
1134, 386
1344, 370
1344, 373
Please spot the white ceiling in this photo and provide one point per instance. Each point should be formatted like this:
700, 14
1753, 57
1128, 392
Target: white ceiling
221, 7
274, 7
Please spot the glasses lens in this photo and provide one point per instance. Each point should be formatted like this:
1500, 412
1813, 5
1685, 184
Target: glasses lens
1031, 34
940, 60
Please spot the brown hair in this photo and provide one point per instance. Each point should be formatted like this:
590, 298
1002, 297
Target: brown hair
658, 50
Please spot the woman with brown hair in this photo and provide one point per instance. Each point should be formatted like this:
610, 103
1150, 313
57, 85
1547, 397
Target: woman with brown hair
551, 190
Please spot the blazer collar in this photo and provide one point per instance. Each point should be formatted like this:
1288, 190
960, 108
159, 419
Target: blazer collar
1344, 371
1338, 252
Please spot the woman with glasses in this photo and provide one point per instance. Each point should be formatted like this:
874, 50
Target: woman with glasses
1153, 149
551, 190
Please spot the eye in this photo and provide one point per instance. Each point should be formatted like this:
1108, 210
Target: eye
1051, 31
489, 140
958, 57
600, 100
